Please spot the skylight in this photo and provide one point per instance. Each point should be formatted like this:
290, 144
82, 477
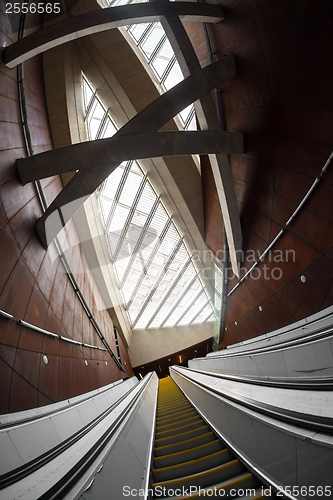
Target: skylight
151, 40
156, 274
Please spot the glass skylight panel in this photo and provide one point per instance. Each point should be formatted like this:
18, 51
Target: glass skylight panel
106, 207
153, 267
202, 317
137, 30
152, 40
175, 76
185, 300
199, 301
87, 93
94, 119
109, 129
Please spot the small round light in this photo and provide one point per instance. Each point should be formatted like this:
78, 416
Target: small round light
260, 308
86, 362
303, 278
236, 323
106, 363
45, 359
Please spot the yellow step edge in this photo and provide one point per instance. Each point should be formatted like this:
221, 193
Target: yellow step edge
174, 429
229, 483
172, 409
183, 442
176, 395
178, 453
181, 413
191, 462
172, 402
198, 475
163, 401
195, 417
173, 412
170, 397
200, 427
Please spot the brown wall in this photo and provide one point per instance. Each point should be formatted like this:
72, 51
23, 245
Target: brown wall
33, 285
281, 99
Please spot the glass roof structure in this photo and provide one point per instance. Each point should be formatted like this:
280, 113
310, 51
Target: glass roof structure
156, 274
151, 40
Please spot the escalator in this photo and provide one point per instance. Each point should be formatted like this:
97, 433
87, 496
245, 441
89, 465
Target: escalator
189, 460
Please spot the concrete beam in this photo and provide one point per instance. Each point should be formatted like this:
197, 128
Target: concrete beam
208, 120
150, 119
105, 19
129, 147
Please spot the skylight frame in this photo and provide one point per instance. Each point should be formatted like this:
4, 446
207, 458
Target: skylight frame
143, 305
187, 116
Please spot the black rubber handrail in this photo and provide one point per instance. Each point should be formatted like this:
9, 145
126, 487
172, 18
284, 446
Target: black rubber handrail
313, 422
316, 384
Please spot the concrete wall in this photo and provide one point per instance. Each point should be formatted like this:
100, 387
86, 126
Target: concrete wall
147, 345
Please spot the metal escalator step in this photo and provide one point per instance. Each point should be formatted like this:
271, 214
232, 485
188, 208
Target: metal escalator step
200, 464
205, 478
171, 402
181, 436
177, 395
176, 423
179, 428
189, 454
184, 445
172, 412
176, 416
243, 481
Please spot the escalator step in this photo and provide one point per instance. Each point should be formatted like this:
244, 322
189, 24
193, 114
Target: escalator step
181, 436
193, 466
176, 423
189, 454
180, 428
176, 416
184, 445
205, 478
242, 482
189, 460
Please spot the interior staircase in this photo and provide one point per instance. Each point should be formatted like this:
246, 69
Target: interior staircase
189, 460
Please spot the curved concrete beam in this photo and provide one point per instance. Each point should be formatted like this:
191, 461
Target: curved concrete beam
150, 119
208, 119
105, 19
129, 147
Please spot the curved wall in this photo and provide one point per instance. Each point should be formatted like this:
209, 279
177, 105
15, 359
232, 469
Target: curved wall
281, 99
33, 285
